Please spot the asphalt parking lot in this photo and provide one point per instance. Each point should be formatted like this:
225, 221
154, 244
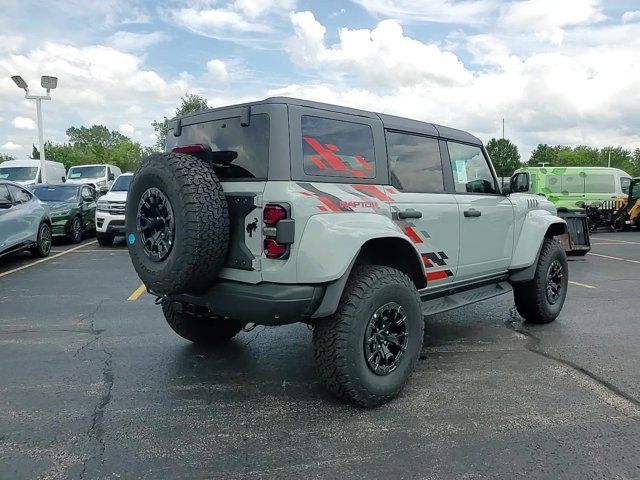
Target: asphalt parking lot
93, 384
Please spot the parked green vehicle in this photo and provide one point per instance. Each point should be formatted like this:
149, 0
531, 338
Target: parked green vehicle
569, 188
72, 207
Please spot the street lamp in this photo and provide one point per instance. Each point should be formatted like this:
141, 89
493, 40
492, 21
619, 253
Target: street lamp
48, 83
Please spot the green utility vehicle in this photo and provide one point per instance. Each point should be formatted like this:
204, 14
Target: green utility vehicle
569, 188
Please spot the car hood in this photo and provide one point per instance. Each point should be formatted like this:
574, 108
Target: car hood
114, 197
55, 207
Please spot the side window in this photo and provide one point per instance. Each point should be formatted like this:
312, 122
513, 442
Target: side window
573, 183
600, 184
471, 172
19, 195
4, 195
624, 185
333, 148
414, 163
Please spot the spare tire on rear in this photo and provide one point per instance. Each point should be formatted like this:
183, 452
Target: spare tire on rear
177, 223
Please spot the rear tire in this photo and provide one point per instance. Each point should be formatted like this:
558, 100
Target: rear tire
177, 223
104, 240
541, 299
43, 245
200, 330
343, 342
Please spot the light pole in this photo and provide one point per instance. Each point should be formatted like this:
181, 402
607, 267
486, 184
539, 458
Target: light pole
49, 83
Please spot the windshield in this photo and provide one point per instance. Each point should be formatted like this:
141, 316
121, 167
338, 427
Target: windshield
56, 194
122, 183
18, 173
86, 172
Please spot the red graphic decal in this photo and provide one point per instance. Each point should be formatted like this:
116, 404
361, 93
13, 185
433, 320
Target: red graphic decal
318, 163
322, 208
332, 147
364, 163
411, 233
374, 191
331, 158
330, 205
427, 262
439, 275
358, 173
359, 204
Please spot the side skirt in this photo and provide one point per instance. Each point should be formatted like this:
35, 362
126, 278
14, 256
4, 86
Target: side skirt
438, 303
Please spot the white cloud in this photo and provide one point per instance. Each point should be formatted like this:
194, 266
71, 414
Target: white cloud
132, 42
10, 43
24, 123
251, 22
581, 93
548, 18
11, 146
631, 16
127, 129
450, 11
218, 70
381, 57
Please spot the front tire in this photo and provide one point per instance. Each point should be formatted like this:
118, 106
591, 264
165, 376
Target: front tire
200, 330
104, 240
43, 245
541, 299
366, 352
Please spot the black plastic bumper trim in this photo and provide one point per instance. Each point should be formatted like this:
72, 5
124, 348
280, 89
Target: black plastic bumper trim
262, 303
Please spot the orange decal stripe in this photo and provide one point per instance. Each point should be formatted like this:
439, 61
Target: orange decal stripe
439, 275
411, 233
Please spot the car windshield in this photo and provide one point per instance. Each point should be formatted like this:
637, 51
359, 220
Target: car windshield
56, 194
86, 172
122, 183
18, 173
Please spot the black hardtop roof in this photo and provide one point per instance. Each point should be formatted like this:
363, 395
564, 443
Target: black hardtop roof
390, 121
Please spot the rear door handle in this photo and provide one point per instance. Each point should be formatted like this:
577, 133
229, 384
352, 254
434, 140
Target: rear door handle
472, 213
409, 214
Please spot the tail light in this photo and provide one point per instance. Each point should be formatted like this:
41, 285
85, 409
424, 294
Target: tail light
278, 230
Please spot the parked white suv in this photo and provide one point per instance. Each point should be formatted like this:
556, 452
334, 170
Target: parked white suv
110, 211
100, 176
355, 223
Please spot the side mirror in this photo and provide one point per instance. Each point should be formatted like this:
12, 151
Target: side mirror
112, 177
104, 189
519, 182
506, 190
64, 179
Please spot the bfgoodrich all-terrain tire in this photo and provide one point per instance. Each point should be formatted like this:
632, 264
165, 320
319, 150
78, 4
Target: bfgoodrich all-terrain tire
177, 223
200, 330
541, 299
367, 350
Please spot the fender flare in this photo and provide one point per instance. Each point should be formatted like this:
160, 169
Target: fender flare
538, 225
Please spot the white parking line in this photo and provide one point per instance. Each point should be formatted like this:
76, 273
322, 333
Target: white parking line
618, 241
581, 284
42, 260
614, 258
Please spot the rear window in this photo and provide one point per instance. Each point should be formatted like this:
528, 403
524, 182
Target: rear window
333, 148
251, 144
600, 184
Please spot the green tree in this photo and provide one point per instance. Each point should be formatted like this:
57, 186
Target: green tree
543, 154
35, 154
635, 159
4, 157
191, 103
504, 155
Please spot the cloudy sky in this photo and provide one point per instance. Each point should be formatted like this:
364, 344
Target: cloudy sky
558, 71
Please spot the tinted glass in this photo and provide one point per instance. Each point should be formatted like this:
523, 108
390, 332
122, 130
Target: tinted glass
471, 171
250, 143
19, 195
18, 174
86, 172
333, 148
573, 183
521, 182
56, 194
624, 185
600, 183
415, 163
122, 183
4, 195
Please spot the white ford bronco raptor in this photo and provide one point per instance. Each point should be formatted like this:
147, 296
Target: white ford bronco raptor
356, 223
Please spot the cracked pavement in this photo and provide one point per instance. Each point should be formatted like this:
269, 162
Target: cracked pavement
93, 386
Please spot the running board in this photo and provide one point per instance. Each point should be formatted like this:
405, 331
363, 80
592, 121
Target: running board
467, 297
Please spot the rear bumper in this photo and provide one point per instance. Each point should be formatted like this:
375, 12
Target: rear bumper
263, 303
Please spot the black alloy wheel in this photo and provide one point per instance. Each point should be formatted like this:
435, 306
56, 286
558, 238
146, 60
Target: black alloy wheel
155, 224
386, 338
